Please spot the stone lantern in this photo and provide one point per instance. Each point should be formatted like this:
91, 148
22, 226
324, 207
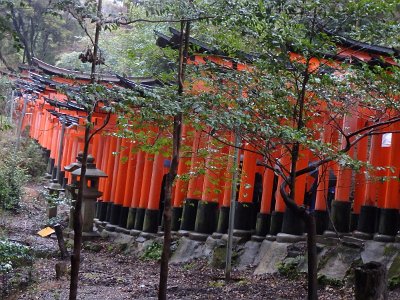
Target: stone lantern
54, 189
71, 188
90, 193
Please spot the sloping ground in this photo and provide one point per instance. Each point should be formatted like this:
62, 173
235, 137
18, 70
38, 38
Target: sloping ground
114, 271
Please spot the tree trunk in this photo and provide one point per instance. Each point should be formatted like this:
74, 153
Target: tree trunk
370, 282
312, 256
76, 256
176, 141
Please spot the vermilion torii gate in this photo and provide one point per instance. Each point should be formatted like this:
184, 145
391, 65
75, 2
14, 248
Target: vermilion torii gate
133, 192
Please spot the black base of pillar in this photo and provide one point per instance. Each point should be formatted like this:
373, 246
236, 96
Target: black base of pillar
321, 220
354, 221
130, 223
189, 214
140, 212
98, 210
276, 222
223, 219
388, 222
341, 211
109, 209
150, 223
64, 182
115, 214
206, 217
103, 211
61, 179
263, 224
54, 173
51, 165
243, 216
367, 219
176, 218
292, 223
124, 217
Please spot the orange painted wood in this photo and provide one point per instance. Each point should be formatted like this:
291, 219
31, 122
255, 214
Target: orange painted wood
130, 174
122, 172
195, 185
181, 186
266, 197
344, 177
156, 182
249, 165
137, 185
146, 182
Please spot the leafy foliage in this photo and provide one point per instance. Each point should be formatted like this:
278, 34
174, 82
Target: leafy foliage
152, 252
12, 255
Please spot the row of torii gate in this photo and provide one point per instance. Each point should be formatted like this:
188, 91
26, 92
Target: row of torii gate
133, 191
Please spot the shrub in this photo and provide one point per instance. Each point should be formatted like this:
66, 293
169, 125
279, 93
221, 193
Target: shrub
12, 179
13, 255
31, 159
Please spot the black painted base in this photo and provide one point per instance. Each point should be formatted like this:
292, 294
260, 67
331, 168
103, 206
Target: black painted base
61, 179
54, 172
321, 221
206, 217
98, 209
243, 216
139, 219
50, 165
388, 222
292, 223
176, 218
189, 214
223, 219
109, 209
276, 222
103, 211
150, 223
341, 211
130, 223
263, 224
115, 214
367, 219
124, 217
354, 221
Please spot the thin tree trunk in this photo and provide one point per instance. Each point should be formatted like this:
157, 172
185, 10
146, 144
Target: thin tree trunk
176, 140
312, 256
76, 256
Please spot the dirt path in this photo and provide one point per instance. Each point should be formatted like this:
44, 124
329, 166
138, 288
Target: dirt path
108, 273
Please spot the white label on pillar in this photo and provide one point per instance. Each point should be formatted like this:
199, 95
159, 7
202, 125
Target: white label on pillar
386, 140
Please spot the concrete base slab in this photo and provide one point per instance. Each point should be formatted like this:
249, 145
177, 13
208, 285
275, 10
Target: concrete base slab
183, 232
236, 239
110, 227
217, 235
257, 238
384, 238
270, 237
397, 238
198, 236
242, 233
134, 232
362, 235
148, 235
86, 236
122, 230
289, 238
333, 234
